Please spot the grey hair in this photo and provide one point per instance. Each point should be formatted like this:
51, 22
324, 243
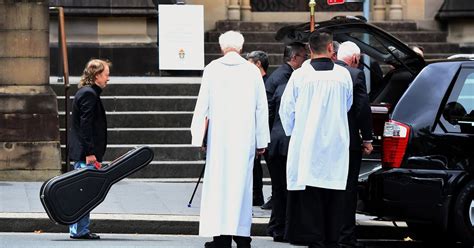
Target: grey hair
231, 39
347, 49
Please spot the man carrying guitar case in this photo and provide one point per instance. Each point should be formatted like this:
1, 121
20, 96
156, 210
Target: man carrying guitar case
70, 197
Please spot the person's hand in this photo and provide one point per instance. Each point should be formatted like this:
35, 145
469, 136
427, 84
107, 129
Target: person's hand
260, 151
91, 159
367, 148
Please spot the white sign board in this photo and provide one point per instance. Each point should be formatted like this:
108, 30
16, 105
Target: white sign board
181, 37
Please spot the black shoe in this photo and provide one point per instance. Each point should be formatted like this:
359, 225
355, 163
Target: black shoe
268, 205
209, 244
257, 200
279, 238
86, 236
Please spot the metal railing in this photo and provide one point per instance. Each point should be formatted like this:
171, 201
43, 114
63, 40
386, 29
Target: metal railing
63, 66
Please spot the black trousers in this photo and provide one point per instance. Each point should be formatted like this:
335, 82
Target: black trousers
350, 200
257, 181
277, 168
314, 217
225, 241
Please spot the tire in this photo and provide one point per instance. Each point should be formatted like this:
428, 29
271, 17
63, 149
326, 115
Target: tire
463, 214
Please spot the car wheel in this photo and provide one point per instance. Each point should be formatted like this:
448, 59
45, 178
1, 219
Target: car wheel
463, 216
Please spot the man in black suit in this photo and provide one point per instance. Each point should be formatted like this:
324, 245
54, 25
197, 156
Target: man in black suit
360, 123
88, 135
294, 55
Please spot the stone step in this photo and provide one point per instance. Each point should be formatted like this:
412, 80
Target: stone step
405, 36
184, 169
150, 119
273, 58
277, 48
166, 169
145, 136
139, 86
268, 47
163, 152
222, 26
143, 103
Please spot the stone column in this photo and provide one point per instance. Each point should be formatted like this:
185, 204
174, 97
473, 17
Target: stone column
379, 10
29, 126
396, 10
233, 10
246, 11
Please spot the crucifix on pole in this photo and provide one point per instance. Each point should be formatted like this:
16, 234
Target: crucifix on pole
312, 5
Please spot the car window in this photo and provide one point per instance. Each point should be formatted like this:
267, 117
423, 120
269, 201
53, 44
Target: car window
375, 46
458, 113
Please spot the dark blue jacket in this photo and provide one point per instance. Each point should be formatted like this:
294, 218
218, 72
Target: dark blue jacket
275, 86
88, 133
360, 115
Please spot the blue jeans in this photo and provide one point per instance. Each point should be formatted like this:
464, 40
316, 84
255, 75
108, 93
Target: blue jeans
82, 226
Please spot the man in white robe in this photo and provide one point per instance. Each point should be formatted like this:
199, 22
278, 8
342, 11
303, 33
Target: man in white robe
232, 98
313, 111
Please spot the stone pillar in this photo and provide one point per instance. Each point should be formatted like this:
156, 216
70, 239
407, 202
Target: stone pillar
379, 10
396, 10
233, 10
29, 125
246, 11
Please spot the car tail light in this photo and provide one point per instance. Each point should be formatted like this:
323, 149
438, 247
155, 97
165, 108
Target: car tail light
394, 143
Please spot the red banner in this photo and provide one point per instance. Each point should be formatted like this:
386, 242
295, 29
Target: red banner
333, 2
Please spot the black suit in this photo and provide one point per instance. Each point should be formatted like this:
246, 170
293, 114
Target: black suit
360, 123
88, 133
277, 150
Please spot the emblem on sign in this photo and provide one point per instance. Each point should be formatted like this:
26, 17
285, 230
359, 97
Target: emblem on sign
181, 53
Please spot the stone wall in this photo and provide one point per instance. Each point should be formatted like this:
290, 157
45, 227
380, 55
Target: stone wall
29, 126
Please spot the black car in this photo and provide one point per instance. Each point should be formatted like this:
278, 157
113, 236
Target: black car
427, 177
425, 116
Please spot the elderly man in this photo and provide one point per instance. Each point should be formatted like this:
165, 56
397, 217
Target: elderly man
360, 123
313, 111
232, 107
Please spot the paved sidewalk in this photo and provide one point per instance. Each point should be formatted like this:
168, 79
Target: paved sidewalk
131, 206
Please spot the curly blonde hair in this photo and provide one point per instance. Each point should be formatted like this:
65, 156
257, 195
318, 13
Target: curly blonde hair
93, 68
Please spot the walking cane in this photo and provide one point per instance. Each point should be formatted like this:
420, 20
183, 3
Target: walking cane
204, 144
197, 184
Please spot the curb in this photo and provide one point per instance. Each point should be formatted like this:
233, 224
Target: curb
169, 224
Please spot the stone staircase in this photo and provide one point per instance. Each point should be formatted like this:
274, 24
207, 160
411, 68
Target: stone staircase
157, 111
150, 111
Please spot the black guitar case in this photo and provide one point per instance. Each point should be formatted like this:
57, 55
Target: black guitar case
70, 196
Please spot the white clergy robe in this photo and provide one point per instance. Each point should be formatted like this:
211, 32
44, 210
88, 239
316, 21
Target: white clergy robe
232, 96
313, 111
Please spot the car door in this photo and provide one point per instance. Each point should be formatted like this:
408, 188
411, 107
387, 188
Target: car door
454, 130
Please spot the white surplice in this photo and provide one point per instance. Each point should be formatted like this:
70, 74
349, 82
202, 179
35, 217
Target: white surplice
313, 111
232, 96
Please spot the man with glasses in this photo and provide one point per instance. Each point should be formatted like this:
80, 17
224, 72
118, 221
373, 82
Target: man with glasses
293, 57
